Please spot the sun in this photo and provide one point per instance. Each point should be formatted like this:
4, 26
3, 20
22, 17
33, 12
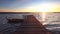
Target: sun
45, 7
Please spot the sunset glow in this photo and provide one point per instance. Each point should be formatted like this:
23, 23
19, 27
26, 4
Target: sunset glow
30, 6
45, 7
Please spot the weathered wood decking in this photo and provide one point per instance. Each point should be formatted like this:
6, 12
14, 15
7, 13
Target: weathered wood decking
31, 26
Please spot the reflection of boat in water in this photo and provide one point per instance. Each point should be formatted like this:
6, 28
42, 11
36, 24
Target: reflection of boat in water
31, 26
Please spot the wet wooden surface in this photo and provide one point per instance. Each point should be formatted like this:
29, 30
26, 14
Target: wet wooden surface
31, 26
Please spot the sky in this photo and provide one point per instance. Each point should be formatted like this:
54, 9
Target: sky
29, 5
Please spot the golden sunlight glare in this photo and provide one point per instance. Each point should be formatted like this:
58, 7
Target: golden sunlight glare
45, 7
43, 16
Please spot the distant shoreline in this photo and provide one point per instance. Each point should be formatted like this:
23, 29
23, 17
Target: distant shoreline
14, 12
